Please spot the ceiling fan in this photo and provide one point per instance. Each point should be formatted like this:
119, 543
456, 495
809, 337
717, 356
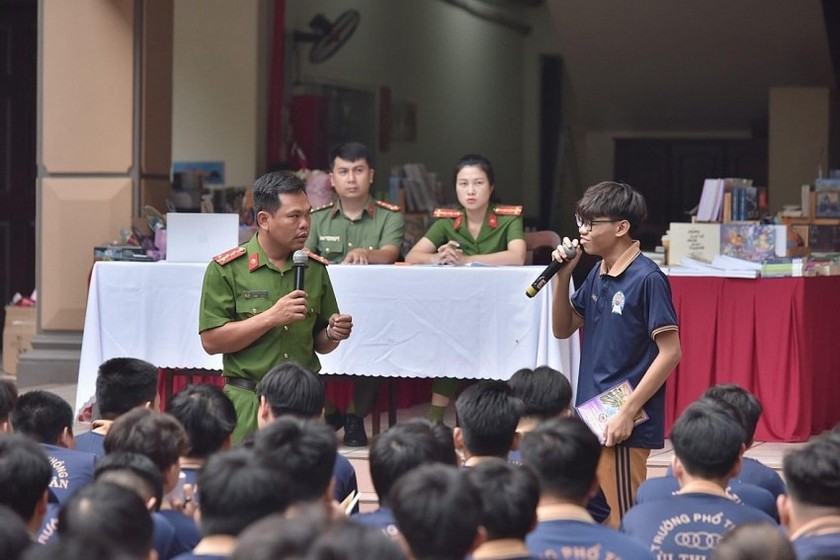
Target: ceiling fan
326, 36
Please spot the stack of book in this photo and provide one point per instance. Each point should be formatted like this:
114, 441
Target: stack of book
731, 200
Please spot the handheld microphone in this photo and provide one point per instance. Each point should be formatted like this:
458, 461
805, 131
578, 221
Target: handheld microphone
548, 273
299, 259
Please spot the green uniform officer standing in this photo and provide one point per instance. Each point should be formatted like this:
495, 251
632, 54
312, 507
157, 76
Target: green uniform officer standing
355, 229
250, 311
477, 231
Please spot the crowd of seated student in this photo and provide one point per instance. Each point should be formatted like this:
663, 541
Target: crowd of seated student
274, 496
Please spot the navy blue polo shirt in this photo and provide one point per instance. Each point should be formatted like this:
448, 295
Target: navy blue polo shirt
689, 524
71, 470
381, 518
812, 546
623, 310
758, 474
741, 492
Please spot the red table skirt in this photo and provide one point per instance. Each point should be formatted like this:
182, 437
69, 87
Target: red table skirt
407, 392
774, 337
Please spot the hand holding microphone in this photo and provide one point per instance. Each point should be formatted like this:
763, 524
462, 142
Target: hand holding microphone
569, 251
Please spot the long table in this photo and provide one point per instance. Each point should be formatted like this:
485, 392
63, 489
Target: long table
773, 336
409, 321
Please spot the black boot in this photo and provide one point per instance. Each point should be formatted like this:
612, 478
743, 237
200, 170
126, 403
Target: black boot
354, 431
335, 419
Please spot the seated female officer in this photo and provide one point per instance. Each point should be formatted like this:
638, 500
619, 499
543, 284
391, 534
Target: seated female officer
477, 231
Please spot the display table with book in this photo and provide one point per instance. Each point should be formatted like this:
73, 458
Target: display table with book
409, 321
774, 337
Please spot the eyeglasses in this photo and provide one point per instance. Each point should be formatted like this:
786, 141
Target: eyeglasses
585, 224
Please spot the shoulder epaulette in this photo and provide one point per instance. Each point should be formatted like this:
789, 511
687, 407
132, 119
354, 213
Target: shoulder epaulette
388, 206
315, 257
446, 213
503, 210
324, 207
230, 255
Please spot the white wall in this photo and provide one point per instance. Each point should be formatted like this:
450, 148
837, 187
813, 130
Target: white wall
465, 74
216, 86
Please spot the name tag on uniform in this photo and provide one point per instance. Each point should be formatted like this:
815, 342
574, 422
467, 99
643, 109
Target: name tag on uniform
330, 238
255, 294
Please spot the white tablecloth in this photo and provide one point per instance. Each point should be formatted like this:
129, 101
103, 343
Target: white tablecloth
409, 321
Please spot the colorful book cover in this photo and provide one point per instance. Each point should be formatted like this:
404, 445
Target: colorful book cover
600, 408
751, 242
828, 198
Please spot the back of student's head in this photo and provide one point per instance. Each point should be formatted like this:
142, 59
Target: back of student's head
279, 536
109, 512
617, 201
488, 414
291, 389
305, 450
741, 400
122, 384
13, 535
208, 416
81, 548
25, 473
238, 488
352, 152
438, 511
442, 435
545, 392
754, 541
398, 450
133, 471
706, 440
156, 435
345, 540
43, 416
564, 454
812, 473
8, 399
509, 497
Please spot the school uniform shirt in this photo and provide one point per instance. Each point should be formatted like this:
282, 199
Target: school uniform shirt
71, 470
345, 479
186, 534
758, 474
623, 309
741, 492
689, 524
91, 442
816, 538
332, 234
194, 556
381, 518
568, 531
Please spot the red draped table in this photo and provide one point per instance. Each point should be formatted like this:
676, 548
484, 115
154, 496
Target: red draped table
774, 337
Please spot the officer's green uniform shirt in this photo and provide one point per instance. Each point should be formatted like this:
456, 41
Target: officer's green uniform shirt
246, 286
332, 235
496, 232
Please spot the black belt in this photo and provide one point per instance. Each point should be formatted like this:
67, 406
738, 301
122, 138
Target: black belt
246, 384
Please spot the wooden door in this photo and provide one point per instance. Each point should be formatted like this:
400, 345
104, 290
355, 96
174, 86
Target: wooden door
18, 70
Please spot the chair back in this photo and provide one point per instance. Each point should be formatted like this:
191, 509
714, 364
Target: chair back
539, 245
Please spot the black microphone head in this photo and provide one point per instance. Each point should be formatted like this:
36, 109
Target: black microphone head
300, 257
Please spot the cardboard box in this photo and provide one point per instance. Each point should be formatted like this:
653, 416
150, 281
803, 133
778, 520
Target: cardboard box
18, 333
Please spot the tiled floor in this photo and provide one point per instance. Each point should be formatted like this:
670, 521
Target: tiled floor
770, 454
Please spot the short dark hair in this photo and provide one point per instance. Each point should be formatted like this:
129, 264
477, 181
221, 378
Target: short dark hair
269, 187
25, 474
564, 454
291, 389
488, 415
509, 497
110, 512
350, 151
617, 201
401, 448
124, 383
43, 416
545, 392
743, 401
8, 398
755, 541
73, 547
305, 450
207, 415
133, 471
445, 444
281, 536
812, 473
238, 488
438, 511
706, 440
474, 160
156, 435
346, 540
14, 537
